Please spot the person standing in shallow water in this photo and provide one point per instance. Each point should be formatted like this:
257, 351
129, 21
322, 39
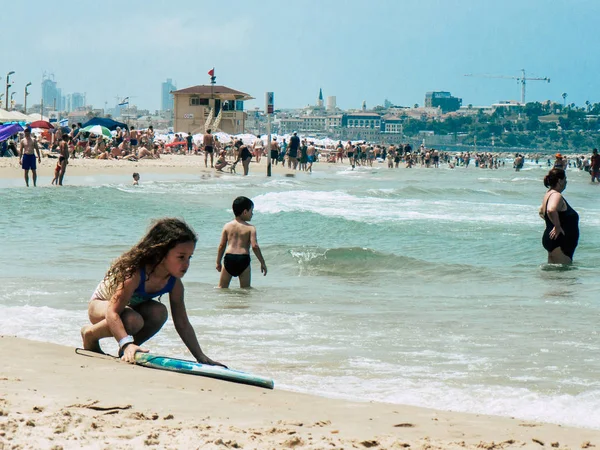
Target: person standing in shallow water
562, 222
233, 255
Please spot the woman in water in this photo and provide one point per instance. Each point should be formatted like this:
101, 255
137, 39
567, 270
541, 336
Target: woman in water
562, 222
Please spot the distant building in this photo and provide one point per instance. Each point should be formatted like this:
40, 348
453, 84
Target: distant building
193, 105
361, 120
166, 103
443, 100
51, 95
289, 125
391, 124
361, 125
77, 101
320, 99
331, 103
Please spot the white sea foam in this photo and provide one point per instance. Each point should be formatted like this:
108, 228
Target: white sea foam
377, 210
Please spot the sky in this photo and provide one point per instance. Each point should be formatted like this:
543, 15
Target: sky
368, 50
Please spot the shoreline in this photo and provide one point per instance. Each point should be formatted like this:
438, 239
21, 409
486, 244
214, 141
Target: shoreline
166, 165
50, 396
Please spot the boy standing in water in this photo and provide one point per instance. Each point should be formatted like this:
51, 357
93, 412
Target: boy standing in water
237, 237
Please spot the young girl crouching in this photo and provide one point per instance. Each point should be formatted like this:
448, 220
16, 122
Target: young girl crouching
123, 304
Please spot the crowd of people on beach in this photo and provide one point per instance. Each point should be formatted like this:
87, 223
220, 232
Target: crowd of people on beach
293, 152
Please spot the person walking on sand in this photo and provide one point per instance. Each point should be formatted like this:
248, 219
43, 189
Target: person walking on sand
27, 149
209, 144
274, 151
292, 151
258, 148
236, 239
123, 305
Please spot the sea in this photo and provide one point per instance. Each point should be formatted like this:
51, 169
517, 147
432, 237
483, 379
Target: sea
425, 287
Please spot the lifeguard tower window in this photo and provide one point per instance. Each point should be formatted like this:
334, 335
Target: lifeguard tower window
195, 101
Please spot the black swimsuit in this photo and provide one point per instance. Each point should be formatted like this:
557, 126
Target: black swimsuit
236, 264
569, 221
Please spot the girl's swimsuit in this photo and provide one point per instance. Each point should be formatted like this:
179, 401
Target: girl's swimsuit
569, 221
139, 295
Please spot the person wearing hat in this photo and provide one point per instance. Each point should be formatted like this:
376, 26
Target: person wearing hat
27, 148
560, 163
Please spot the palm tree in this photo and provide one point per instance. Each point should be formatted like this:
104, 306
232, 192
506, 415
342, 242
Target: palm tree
564, 96
588, 105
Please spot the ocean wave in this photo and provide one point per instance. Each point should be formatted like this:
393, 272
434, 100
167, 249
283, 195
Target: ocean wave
359, 262
341, 204
441, 192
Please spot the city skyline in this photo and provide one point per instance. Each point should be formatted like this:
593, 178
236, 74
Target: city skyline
390, 50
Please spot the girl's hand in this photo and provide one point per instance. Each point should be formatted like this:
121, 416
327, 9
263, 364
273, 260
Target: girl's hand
556, 232
130, 351
263, 269
219, 267
206, 360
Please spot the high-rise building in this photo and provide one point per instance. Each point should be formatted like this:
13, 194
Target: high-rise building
166, 96
77, 100
51, 95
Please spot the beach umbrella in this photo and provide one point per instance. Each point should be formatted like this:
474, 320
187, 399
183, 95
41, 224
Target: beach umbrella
41, 124
7, 131
98, 130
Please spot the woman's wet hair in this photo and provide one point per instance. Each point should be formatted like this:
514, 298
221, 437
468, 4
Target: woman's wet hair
163, 235
553, 177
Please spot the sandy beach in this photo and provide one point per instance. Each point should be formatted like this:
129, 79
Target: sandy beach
51, 397
167, 164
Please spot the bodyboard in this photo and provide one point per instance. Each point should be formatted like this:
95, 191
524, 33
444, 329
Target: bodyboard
205, 370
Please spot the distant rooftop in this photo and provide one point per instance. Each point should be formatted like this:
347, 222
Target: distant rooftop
222, 91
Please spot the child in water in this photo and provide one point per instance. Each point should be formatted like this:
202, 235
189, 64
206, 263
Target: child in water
237, 237
123, 305
136, 178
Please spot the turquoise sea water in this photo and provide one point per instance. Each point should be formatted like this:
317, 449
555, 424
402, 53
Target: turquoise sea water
422, 287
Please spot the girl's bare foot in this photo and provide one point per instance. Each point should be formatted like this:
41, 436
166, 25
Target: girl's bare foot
89, 342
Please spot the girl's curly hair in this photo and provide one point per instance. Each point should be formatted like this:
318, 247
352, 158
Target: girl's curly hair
163, 235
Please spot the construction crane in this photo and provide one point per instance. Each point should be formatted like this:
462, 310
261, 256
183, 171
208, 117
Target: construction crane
522, 80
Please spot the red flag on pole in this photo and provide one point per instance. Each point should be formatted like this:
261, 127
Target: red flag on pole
211, 72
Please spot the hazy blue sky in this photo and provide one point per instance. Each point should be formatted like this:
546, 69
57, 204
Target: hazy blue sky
356, 50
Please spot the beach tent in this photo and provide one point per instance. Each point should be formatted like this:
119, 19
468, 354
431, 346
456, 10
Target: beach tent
36, 116
11, 116
20, 117
105, 122
7, 131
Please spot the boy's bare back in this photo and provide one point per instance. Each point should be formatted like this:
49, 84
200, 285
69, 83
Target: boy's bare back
239, 236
